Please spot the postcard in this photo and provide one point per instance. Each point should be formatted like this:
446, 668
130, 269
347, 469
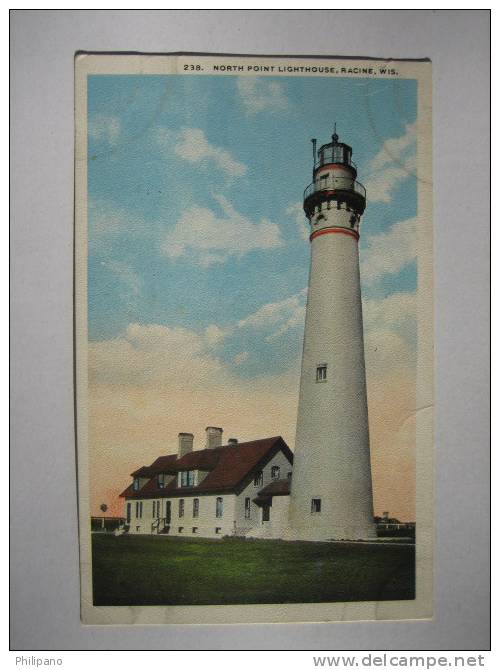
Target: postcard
254, 338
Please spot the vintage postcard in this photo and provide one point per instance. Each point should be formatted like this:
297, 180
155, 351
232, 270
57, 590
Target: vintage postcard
254, 338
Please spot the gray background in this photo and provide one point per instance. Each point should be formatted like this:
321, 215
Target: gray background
44, 550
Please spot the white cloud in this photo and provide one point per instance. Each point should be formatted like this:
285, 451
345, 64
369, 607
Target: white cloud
277, 317
390, 326
386, 351
103, 219
105, 128
395, 311
208, 239
388, 253
126, 275
153, 355
297, 212
259, 94
194, 147
163, 136
107, 220
215, 335
395, 162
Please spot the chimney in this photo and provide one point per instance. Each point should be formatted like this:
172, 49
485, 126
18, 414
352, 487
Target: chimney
185, 443
232, 441
214, 437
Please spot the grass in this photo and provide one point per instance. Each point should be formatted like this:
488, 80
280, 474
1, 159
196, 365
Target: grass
155, 570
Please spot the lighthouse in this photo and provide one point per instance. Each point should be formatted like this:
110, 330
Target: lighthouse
331, 491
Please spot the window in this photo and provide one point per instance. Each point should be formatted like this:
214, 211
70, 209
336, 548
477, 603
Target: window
219, 507
275, 472
258, 480
266, 512
338, 155
161, 480
289, 475
181, 528
138, 510
196, 507
129, 512
136, 484
195, 530
247, 508
315, 505
217, 531
187, 478
154, 508
158, 503
181, 508
321, 372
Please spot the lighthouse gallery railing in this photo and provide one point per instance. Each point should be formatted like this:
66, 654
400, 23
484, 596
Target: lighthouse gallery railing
335, 183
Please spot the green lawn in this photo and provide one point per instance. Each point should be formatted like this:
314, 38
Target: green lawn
156, 570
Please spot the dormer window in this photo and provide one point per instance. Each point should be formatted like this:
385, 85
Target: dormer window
187, 478
275, 472
136, 484
161, 480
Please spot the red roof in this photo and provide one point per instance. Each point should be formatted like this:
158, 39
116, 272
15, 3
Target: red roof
280, 487
143, 471
205, 459
128, 493
164, 464
229, 468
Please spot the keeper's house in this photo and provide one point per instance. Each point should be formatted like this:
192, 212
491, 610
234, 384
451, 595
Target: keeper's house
239, 489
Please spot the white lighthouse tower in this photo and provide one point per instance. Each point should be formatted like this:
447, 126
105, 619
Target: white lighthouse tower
331, 493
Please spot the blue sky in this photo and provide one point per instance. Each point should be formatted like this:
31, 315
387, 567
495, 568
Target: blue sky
195, 186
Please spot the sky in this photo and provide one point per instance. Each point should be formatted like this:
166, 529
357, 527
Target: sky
199, 257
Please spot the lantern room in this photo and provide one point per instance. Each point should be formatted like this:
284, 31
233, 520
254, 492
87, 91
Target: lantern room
336, 153
334, 180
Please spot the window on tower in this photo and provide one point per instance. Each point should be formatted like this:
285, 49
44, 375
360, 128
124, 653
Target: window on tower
321, 372
315, 505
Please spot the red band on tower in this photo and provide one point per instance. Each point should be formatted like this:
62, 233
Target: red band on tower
326, 231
